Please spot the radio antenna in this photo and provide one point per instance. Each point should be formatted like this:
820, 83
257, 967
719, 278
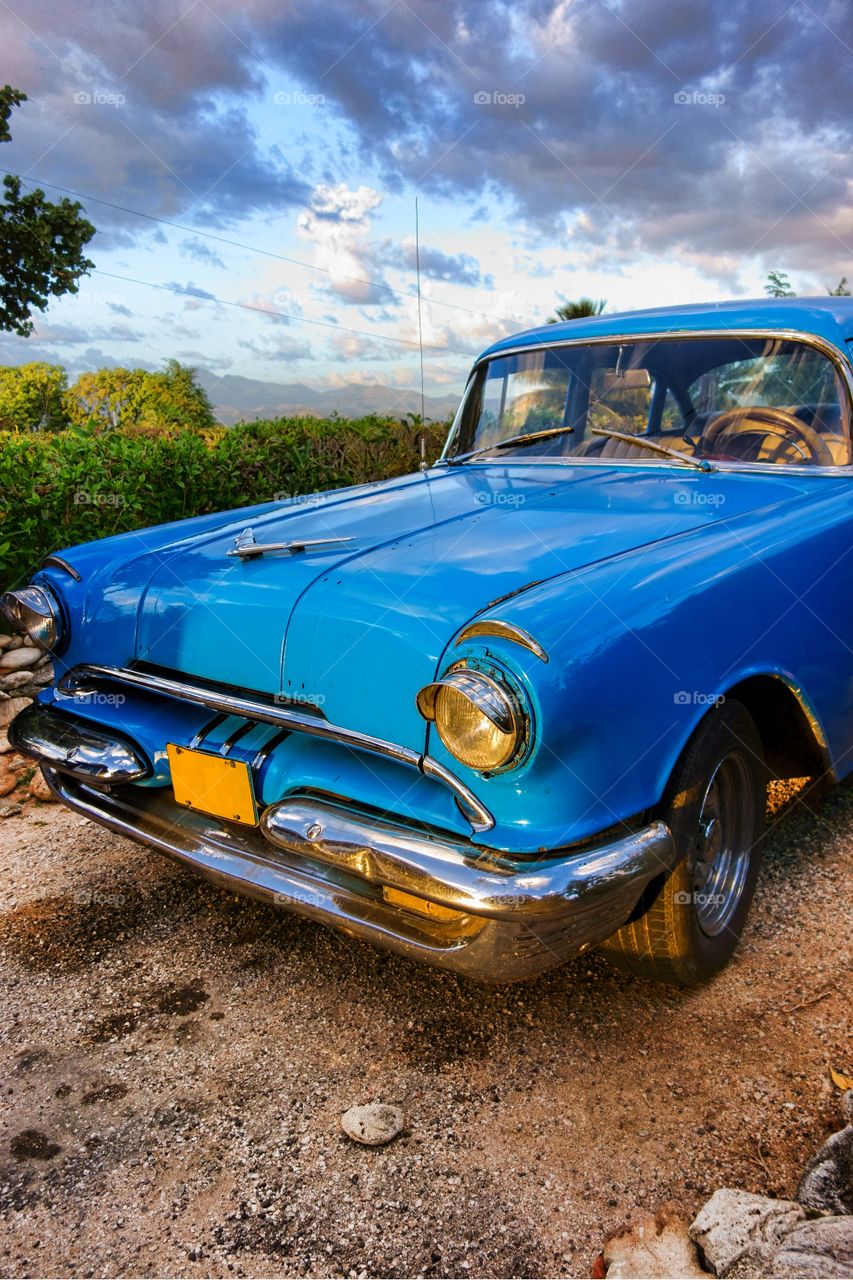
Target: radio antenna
420, 336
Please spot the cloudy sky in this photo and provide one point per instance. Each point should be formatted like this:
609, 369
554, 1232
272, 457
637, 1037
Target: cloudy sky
641, 152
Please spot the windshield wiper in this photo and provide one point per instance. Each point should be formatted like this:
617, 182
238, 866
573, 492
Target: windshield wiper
701, 464
509, 442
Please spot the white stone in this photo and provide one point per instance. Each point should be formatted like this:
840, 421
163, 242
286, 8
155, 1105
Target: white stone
374, 1124
652, 1247
737, 1228
15, 659
820, 1250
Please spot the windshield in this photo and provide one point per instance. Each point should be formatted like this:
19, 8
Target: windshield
741, 400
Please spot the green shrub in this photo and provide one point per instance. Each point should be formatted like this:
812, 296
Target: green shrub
63, 488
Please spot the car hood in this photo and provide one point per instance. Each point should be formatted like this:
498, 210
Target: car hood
357, 627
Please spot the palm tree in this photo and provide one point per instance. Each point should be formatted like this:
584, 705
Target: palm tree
778, 285
578, 310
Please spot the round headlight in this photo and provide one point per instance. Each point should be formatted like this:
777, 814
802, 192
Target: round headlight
35, 612
480, 721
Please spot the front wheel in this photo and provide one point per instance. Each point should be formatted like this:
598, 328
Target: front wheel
714, 806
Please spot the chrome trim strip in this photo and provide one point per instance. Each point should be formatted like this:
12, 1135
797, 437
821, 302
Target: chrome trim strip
234, 738
76, 746
505, 631
59, 563
198, 738
233, 704
835, 354
272, 741
457, 875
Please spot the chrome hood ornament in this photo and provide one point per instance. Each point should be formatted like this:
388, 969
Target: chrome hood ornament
247, 548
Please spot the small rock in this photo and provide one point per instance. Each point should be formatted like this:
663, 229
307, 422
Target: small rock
651, 1247
827, 1183
8, 782
15, 679
5, 744
11, 642
10, 708
39, 789
10, 810
737, 1228
374, 1124
13, 659
819, 1249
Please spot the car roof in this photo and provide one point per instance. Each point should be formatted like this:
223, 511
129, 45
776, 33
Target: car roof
826, 317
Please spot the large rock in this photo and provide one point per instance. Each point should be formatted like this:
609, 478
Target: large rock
742, 1230
652, 1247
15, 659
823, 1248
827, 1183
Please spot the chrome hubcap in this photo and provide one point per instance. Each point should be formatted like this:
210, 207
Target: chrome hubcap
724, 844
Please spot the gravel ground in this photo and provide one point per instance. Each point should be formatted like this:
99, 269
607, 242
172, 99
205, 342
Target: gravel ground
174, 1063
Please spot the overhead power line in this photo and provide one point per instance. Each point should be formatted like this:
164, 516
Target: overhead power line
268, 311
266, 253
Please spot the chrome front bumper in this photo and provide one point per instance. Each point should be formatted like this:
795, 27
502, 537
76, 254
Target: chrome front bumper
434, 898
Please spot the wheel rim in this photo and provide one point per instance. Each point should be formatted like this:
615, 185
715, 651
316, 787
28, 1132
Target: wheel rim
724, 845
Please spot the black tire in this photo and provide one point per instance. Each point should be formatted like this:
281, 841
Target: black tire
692, 927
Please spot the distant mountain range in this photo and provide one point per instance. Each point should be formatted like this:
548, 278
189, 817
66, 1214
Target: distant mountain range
235, 398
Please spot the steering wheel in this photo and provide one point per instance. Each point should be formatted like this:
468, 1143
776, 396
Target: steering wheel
762, 420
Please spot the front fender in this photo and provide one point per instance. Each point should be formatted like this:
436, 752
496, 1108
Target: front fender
642, 646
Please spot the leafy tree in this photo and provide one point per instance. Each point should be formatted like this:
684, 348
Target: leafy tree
778, 285
112, 399
579, 309
106, 398
31, 397
41, 242
173, 398
840, 290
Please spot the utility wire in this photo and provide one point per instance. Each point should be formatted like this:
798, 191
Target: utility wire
266, 253
268, 311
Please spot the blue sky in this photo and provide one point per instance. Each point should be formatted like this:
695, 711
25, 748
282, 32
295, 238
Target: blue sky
643, 153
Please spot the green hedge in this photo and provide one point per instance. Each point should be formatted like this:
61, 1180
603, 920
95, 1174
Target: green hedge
63, 488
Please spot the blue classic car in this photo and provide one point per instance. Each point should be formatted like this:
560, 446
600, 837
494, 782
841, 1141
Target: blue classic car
522, 703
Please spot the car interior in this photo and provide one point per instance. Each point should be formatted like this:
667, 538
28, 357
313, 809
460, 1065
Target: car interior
738, 400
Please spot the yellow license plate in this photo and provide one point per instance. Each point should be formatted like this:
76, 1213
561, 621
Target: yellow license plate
213, 784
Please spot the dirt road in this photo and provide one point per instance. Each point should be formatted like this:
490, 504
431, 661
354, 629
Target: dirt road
175, 1062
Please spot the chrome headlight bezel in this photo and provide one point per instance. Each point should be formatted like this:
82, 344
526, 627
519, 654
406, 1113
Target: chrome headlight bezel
499, 703
35, 612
